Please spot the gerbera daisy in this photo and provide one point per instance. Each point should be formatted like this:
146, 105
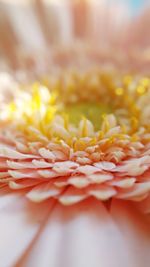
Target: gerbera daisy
76, 137
75, 144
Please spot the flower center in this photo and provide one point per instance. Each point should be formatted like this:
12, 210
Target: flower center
89, 110
76, 106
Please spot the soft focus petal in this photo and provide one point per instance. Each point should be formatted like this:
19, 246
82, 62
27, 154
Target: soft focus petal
20, 222
135, 229
83, 235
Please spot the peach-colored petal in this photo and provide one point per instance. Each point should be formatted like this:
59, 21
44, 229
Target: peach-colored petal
10, 153
4, 175
48, 173
124, 183
100, 178
79, 181
3, 164
144, 206
43, 191
102, 193
41, 164
20, 174
47, 154
91, 238
20, 165
135, 229
19, 224
23, 184
72, 196
87, 170
140, 191
104, 165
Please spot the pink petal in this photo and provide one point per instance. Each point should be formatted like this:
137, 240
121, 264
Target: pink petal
20, 222
23, 184
135, 229
138, 191
144, 206
3, 164
83, 235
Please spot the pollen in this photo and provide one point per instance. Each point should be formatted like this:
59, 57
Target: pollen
119, 91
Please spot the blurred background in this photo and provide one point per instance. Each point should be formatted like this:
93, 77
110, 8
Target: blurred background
35, 35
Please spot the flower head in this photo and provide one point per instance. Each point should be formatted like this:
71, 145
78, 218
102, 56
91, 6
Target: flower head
78, 135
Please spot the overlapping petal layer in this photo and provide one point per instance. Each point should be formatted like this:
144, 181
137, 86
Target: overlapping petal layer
51, 153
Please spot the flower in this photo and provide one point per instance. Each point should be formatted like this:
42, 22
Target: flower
54, 152
75, 145
62, 144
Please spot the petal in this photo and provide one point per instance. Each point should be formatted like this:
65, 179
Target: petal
41, 164
79, 181
78, 236
48, 173
136, 231
3, 164
144, 205
23, 183
137, 192
4, 175
104, 165
20, 222
72, 196
7, 152
20, 165
123, 183
47, 154
65, 166
43, 191
23, 174
102, 192
100, 178
87, 170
